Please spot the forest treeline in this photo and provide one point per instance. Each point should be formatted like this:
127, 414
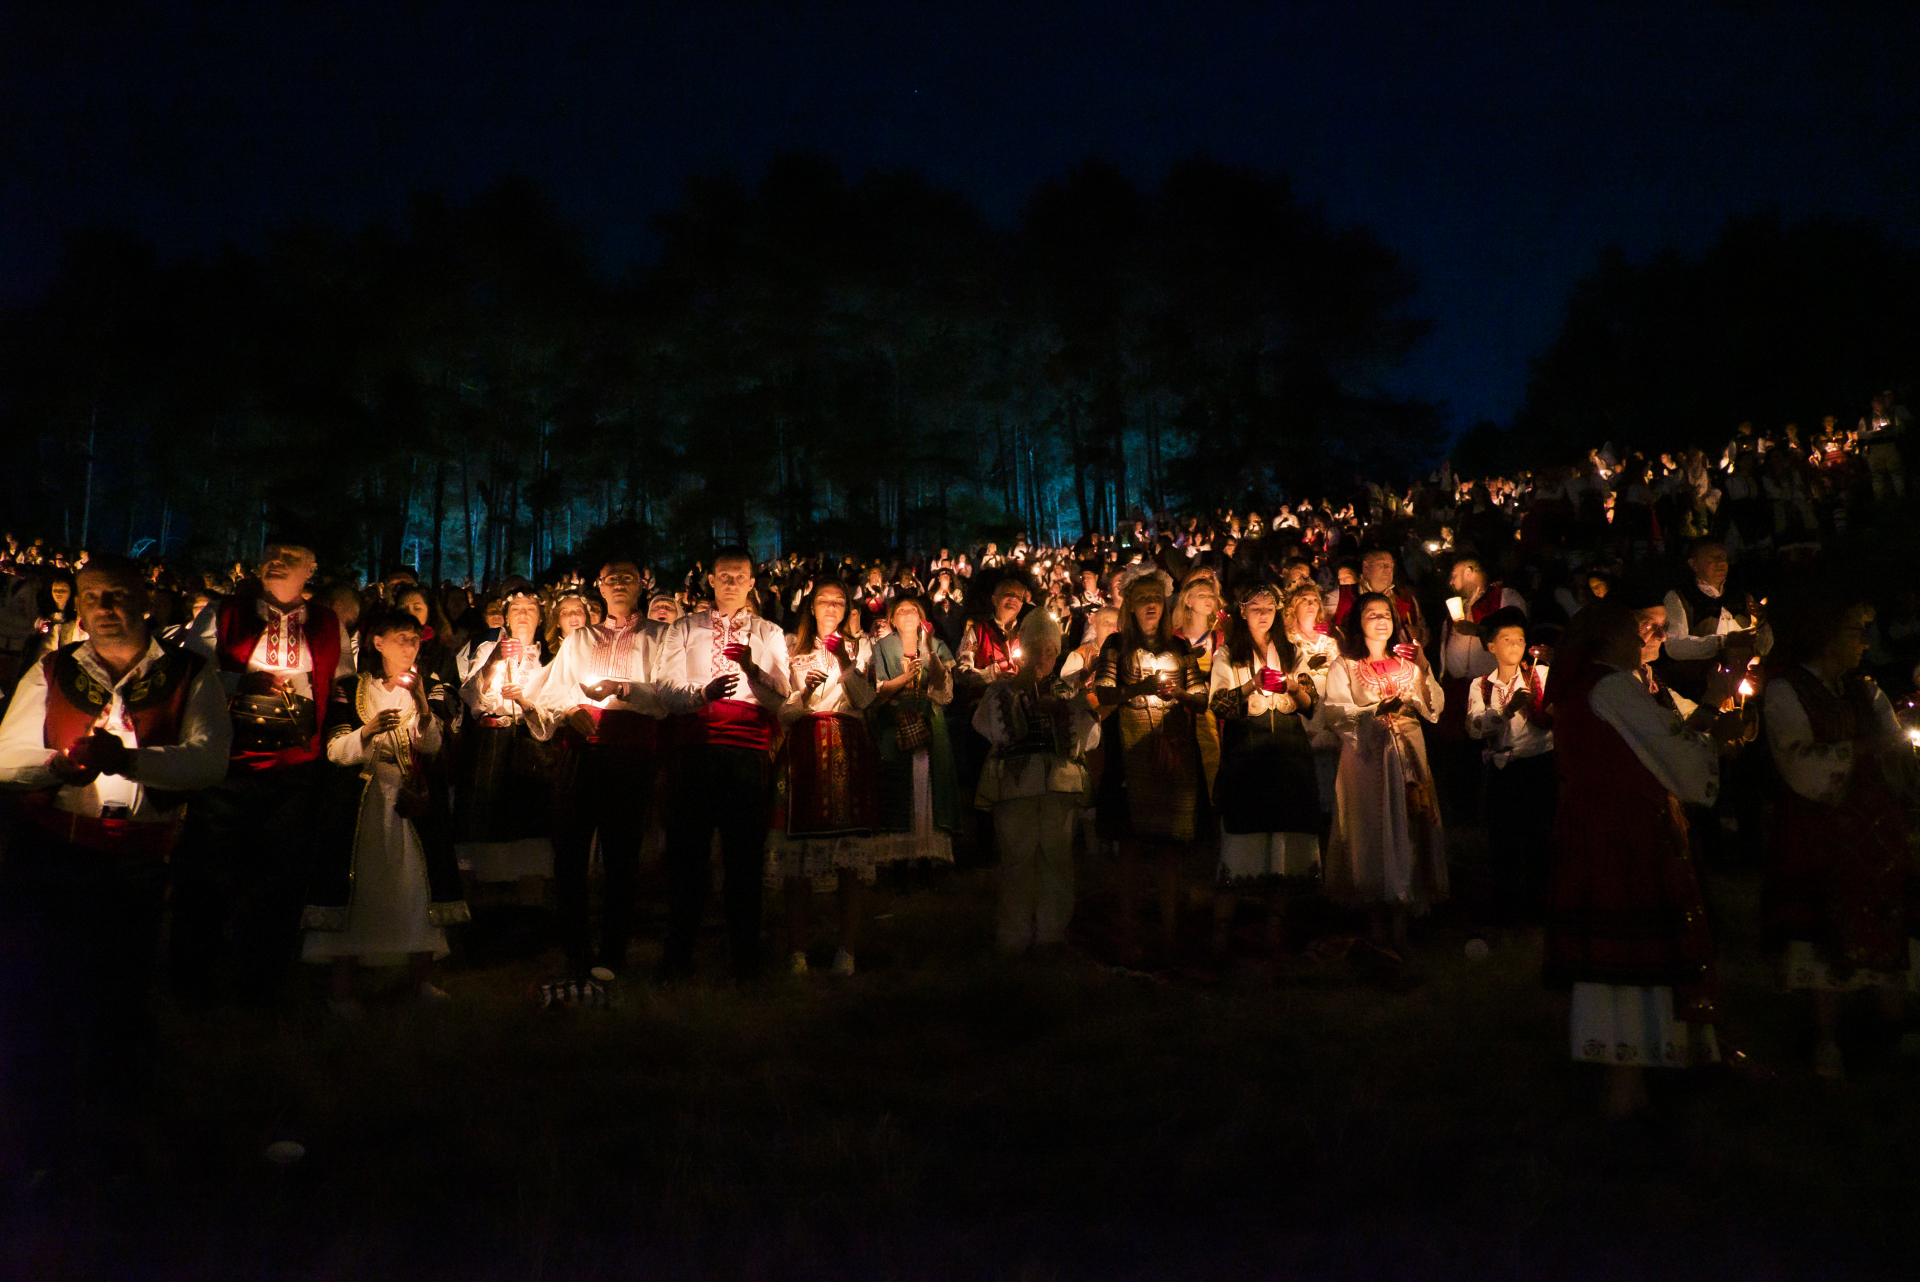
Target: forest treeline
810, 362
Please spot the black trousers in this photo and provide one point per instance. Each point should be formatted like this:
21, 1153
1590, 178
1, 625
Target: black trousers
1522, 797
79, 931
603, 787
720, 788
239, 877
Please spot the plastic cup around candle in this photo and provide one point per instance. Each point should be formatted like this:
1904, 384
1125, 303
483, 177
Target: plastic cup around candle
1456, 608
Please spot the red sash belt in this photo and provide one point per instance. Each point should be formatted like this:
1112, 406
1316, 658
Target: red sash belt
108, 836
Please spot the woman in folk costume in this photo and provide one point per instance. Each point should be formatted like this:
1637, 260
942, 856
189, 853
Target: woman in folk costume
1149, 784
1626, 924
1035, 783
505, 821
1196, 614
1303, 608
389, 883
1841, 901
829, 776
1388, 850
1266, 794
912, 677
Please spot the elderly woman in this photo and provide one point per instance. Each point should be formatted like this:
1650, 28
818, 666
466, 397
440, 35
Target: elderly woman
1388, 851
504, 823
912, 676
1267, 794
829, 775
1841, 899
1149, 786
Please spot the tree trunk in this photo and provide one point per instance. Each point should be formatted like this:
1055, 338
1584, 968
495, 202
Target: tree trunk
1079, 464
439, 514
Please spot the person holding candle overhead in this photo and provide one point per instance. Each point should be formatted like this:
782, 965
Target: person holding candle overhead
599, 699
1150, 780
387, 883
1506, 712
1842, 902
1388, 849
505, 818
723, 674
830, 798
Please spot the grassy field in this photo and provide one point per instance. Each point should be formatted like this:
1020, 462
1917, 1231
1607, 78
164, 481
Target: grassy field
948, 1115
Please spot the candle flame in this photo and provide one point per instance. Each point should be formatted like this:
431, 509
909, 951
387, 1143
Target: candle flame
1746, 689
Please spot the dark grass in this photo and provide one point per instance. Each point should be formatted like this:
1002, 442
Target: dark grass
948, 1115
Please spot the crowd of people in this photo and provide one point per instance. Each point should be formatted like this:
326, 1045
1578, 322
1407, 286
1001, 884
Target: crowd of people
1242, 710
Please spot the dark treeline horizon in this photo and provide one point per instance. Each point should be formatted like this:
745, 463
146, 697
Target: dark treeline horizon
812, 363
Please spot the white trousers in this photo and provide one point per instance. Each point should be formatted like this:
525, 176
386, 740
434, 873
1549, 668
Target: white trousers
1036, 869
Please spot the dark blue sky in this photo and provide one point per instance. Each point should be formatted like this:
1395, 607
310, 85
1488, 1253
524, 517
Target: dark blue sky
1500, 147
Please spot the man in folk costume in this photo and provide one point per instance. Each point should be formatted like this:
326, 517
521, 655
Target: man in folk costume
107, 737
597, 697
723, 675
1709, 627
1463, 659
1626, 922
1377, 575
246, 856
1706, 625
987, 645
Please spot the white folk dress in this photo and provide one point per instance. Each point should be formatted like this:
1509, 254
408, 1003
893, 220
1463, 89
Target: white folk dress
388, 919
1388, 846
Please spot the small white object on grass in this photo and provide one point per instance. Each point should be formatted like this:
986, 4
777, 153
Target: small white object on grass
1476, 949
285, 1152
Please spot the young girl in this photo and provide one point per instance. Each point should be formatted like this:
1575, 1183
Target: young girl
912, 675
1388, 851
1267, 794
505, 820
1149, 785
831, 776
389, 887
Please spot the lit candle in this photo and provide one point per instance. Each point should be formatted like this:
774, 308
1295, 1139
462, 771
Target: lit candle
1744, 689
1456, 608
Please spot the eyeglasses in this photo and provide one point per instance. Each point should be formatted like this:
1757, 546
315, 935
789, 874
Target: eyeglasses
619, 580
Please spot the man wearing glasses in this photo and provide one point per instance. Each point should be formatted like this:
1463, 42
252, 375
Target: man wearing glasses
598, 696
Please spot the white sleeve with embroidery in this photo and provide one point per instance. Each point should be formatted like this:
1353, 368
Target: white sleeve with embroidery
1684, 761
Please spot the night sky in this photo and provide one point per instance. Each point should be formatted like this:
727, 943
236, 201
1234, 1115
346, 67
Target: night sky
1499, 147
